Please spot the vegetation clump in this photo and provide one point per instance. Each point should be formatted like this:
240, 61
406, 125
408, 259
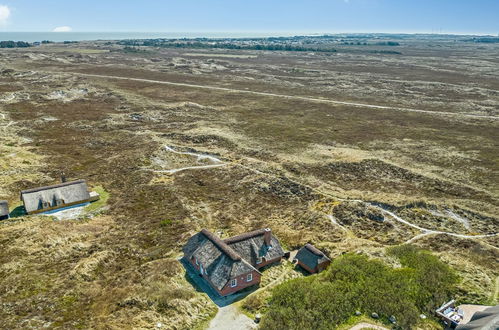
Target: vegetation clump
356, 283
14, 44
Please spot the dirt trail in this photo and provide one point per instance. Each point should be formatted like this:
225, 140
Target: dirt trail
335, 222
429, 231
229, 318
425, 231
495, 294
295, 97
218, 162
365, 325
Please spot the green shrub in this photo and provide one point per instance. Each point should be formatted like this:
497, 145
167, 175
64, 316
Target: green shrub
434, 280
165, 223
354, 282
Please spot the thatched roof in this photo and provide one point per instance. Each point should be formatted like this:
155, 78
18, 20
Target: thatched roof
244, 236
310, 256
484, 320
251, 246
4, 208
219, 261
224, 260
69, 192
221, 245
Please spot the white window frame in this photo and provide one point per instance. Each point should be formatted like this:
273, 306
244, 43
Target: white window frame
249, 277
233, 283
197, 262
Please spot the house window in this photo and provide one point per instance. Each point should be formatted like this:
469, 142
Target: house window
233, 283
59, 202
197, 262
45, 205
258, 261
249, 277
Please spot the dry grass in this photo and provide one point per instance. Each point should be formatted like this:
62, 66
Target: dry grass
289, 161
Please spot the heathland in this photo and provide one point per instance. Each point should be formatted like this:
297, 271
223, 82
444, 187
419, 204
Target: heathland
356, 145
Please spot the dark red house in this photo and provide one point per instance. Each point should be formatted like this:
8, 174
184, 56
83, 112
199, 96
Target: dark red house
312, 259
232, 264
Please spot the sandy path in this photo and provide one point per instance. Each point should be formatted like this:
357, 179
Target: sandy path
430, 231
335, 222
200, 167
295, 97
229, 318
218, 162
495, 294
425, 231
9, 124
365, 325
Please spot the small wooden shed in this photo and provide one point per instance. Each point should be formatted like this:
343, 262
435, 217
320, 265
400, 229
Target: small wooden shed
312, 259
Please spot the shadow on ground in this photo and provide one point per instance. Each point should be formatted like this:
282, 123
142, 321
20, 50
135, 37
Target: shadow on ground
201, 285
17, 212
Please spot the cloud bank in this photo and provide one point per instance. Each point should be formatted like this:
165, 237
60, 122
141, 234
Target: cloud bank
62, 29
4, 14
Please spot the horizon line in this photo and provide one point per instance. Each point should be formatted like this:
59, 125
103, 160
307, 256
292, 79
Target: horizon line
274, 33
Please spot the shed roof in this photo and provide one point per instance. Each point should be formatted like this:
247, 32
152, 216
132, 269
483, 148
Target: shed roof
311, 256
69, 192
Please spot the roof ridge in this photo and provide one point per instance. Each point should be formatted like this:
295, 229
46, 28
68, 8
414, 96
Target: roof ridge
314, 250
52, 186
221, 245
244, 236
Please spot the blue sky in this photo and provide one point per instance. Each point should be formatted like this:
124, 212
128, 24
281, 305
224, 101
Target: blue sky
308, 16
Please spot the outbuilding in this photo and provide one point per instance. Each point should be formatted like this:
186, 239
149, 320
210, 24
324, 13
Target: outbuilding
48, 198
4, 210
311, 259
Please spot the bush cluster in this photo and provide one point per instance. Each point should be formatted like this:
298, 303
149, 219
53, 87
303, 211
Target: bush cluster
225, 45
354, 282
14, 44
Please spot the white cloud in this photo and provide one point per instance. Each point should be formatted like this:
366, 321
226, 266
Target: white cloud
4, 14
62, 29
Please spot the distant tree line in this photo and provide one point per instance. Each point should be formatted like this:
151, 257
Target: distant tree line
486, 40
225, 45
380, 43
14, 44
387, 43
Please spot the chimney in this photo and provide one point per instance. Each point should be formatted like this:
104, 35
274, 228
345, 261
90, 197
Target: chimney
267, 234
63, 178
